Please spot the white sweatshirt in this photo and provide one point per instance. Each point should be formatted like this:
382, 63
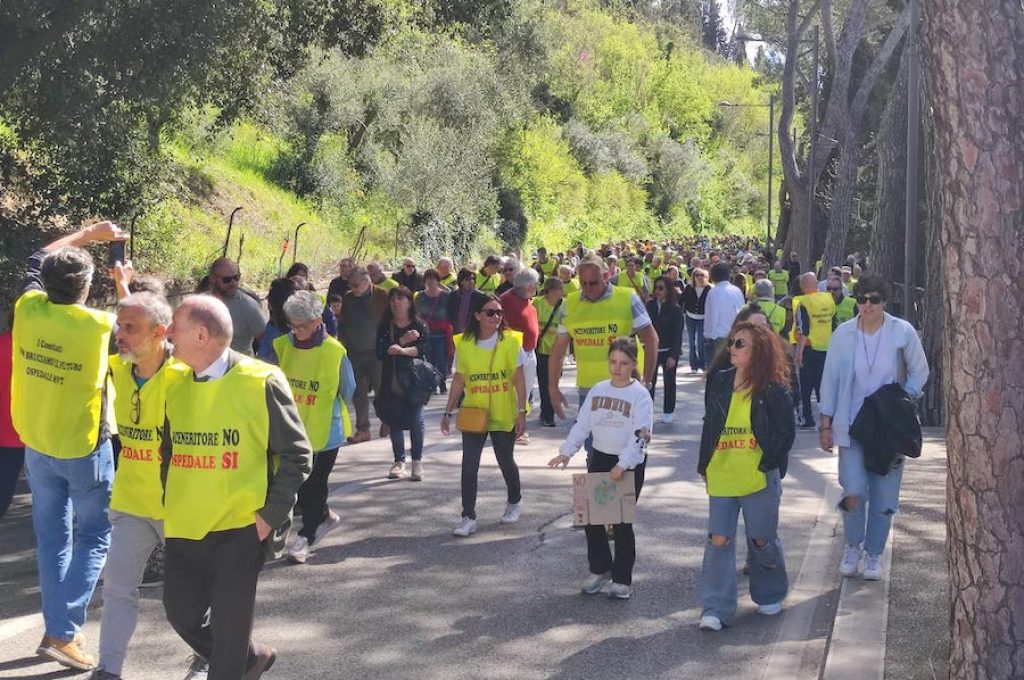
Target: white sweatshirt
616, 416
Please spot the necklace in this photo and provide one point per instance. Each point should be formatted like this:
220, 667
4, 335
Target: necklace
864, 341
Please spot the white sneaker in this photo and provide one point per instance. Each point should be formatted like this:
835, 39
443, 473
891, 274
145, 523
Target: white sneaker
512, 513
851, 561
769, 609
298, 551
873, 568
332, 522
417, 471
397, 470
619, 591
709, 622
466, 527
666, 417
595, 583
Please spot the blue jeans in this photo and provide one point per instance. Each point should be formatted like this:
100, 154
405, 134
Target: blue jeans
768, 581
415, 437
11, 462
878, 499
437, 354
695, 340
70, 498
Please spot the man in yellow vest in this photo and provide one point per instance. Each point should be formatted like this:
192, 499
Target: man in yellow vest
546, 266
592, 319
444, 271
780, 279
488, 279
633, 279
846, 306
59, 402
139, 373
764, 295
815, 322
322, 380
233, 455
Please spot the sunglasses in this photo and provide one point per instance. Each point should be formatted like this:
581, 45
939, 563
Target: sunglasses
136, 413
873, 299
738, 343
229, 279
492, 312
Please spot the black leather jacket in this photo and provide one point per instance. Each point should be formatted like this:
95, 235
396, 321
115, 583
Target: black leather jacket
771, 419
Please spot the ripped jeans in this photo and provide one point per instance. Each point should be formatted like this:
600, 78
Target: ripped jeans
879, 499
768, 581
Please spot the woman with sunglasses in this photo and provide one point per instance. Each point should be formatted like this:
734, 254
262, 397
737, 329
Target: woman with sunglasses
694, 296
668, 321
868, 352
489, 364
744, 450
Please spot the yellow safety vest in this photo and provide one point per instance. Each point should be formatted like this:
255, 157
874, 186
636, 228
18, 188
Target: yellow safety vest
593, 325
654, 272
314, 375
570, 286
733, 469
472, 363
780, 280
451, 281
846, 310
487, 284
820, 309
776, 314
140, 420
544, 310
795, 302
632, 284
388, 283
58, 373
219, 468
548, 268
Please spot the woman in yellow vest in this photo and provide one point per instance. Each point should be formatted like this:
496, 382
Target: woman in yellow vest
489, 370
322, 382
549, 306
744, 450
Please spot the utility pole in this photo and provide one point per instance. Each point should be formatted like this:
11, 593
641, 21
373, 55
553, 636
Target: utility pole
913, 152
771, 162
811, 183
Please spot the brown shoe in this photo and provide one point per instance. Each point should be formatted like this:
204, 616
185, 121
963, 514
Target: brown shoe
65, 652
265, 658
359, 437
385, 430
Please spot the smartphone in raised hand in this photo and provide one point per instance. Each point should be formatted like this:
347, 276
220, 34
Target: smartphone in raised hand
115, 253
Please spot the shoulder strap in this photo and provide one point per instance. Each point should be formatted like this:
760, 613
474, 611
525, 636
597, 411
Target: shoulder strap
550, 319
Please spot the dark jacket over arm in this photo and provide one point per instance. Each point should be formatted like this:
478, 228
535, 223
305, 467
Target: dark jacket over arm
669, 324
771, 420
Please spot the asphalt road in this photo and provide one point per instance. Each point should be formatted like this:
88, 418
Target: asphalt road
392, 594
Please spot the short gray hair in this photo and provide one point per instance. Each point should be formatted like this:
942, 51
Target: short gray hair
67, 274
155, 306
524, 278
764, 288
358, 274
303, 306
212, 314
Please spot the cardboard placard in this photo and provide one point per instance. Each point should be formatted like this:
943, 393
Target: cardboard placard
599, 500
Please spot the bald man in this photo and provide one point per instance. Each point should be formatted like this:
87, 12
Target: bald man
248, 319
234, 454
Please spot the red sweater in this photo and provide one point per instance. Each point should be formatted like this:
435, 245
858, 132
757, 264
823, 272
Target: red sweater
521, 315
8, 437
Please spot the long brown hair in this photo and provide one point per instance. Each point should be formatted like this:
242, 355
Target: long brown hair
768, 362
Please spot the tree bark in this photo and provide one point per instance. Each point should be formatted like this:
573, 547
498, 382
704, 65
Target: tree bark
885, 256
976, 57
933, 317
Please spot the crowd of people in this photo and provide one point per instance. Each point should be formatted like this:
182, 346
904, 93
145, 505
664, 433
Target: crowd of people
223, 418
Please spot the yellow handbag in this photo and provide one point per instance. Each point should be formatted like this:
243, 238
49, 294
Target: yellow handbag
475, 419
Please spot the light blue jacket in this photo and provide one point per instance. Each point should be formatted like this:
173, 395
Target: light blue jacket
837, 379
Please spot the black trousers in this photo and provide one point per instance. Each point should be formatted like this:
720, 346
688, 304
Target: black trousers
547, 411
669, 402
810, 380
313, 493
504, 444
216, 573
599, 553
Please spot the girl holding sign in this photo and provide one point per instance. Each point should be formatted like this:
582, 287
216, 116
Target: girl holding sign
619, 413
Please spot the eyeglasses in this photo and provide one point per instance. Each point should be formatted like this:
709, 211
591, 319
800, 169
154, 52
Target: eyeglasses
875, 299
738, 343
595, 282
136, 413
409, 266
229, 279
492, 312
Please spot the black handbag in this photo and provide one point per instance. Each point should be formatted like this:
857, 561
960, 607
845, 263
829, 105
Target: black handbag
419, 380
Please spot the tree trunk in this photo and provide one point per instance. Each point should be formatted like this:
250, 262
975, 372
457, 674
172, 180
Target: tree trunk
885, 256
933, 318
976, 56
842, 198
